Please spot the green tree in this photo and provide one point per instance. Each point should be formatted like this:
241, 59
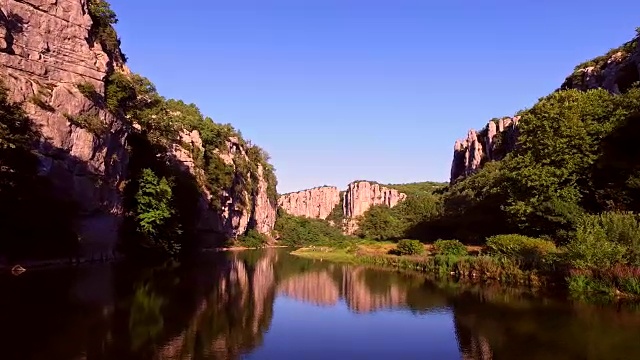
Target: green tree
380, 223
154, 214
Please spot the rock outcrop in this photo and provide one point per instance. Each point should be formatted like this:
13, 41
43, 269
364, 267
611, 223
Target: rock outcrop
44, 54
361, 195
615, 71
316, 203
239, 210
492, 143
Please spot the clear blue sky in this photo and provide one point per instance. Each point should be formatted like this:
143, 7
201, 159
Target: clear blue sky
339, 90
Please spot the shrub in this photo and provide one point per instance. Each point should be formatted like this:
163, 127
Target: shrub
90, 122
449, 247
409, 247
592, 248
252, 239
531, 252
622, 228
88, 90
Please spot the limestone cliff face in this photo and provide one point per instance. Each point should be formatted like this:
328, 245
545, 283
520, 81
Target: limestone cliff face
361, 195
44, 53
493, 143
320, 202
239, 210
314, 203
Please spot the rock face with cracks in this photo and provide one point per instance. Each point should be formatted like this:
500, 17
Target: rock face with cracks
46, 54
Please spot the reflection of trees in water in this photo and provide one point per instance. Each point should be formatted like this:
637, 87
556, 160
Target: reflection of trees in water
495, 324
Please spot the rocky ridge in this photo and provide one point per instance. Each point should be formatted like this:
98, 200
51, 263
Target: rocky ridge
617, 71
490, 144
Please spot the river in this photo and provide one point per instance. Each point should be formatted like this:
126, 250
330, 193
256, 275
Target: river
268, 304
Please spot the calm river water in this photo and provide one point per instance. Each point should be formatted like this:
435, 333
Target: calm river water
270, 305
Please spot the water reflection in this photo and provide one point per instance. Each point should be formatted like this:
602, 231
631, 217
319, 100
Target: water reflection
222, 307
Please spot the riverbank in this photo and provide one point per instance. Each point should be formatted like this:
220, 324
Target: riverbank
477, 267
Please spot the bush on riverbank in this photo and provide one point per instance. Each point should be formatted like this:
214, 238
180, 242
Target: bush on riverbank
449, 247
252, 239
409, 247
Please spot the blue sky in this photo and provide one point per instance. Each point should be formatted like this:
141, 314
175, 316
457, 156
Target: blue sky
339, 90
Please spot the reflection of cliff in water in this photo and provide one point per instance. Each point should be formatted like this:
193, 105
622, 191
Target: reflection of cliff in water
317, 288
365, 291
233, 318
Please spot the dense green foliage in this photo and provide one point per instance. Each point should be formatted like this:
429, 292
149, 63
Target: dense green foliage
409, 247
381, 222
252, 239
157, 224
449, 248
34, 221
301, 231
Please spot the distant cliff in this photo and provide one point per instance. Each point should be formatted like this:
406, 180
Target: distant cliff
616, 71
322, 202
316, 203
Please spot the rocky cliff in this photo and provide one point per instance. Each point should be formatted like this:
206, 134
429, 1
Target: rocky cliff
44, 53
238, 210
57, 59
616, 71
361, 195
316, 203
491, 143
324, 202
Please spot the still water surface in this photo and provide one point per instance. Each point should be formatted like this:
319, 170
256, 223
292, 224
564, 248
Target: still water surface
270, 305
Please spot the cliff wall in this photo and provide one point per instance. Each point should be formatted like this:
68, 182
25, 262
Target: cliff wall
316, 203
49, 56
44, 54
320, 202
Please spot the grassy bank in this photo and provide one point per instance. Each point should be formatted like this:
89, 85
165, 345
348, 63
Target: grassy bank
479, 264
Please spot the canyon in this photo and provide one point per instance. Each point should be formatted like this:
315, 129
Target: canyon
49, 52
321, 202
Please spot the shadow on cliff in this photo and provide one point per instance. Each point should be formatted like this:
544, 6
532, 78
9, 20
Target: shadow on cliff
13, 24
188, 201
